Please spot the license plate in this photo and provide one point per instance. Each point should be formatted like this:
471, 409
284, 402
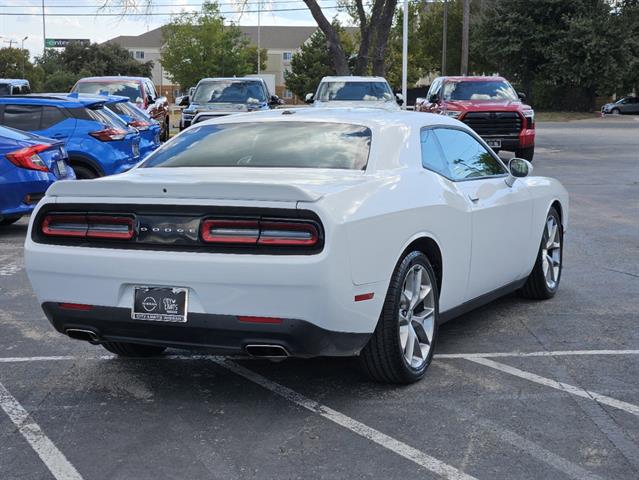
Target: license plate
160, 304
62, 168
494, 143
136, 150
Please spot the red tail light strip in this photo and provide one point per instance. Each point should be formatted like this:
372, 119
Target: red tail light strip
244, 232
65, 225
272, 233
75, 306
88, 226
284, 233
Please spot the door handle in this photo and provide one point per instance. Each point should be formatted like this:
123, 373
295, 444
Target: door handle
473, 198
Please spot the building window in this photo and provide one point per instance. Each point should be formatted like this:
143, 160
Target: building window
286, 56
139, 55
288, 94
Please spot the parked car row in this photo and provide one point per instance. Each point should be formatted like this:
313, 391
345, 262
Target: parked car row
78, 135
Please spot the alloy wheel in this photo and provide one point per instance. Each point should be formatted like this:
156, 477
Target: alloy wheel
416, 316
551, 253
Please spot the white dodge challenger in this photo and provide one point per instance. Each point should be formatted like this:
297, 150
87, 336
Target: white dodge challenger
302, 233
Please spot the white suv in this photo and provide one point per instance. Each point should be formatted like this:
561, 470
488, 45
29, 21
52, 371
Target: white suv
372, 92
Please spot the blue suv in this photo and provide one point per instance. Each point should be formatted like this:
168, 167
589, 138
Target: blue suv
98, 142
28, 165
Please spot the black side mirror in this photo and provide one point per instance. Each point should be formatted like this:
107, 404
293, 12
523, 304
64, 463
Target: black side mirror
274, 101
309, 98
399, 98
521, 95
185, 101
434, 98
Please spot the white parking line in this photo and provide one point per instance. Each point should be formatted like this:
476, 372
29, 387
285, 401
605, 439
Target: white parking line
35, 359
53, 458
390, 443
580, 392
556, 353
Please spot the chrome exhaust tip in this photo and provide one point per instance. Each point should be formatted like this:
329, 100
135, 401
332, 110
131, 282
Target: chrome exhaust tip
85, 335
266, 351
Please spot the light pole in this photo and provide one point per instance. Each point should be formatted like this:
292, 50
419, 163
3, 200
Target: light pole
259, 32
405, 53
22, 49
44, 32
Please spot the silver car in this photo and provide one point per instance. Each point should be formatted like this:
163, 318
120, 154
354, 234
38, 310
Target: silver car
623, 105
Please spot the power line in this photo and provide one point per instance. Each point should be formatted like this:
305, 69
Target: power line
239, 4
144, 14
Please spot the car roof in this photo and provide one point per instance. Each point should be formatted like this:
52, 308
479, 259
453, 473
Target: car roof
353, 78
56, 99
111, 78
243, 79
474, 78
373, 118
14, 81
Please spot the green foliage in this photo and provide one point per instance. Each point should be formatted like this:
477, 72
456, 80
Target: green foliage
559, 49
416, 66
11, 62
199, 45
313, 62
58, 70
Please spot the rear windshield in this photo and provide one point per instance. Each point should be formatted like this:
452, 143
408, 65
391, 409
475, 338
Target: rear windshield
229, 91
99, 114
7, 132
267, 144
125, 108
354, 91
131, 90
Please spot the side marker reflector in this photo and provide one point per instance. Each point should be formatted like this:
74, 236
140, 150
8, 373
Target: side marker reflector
364, 296
269, 320
75, 306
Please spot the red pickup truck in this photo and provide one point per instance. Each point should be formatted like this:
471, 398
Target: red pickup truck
490, 106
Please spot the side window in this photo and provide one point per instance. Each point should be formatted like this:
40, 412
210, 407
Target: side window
431, 153
434, 88
22, 117
50, 117
465, 157
150, 89
26, 90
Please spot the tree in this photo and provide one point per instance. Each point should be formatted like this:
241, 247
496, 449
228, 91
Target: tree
12, 61
374, 28
313, 62
199, 45
556, 49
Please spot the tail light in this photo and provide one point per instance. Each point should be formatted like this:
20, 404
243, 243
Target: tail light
301, 234
109, 134
140, 125
88, 226
28, 158
244, 232
260, 232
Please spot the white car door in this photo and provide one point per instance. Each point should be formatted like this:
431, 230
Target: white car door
501, 215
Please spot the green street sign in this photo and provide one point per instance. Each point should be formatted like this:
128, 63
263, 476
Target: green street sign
63, 42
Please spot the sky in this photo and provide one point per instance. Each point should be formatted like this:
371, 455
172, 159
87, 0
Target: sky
61, 20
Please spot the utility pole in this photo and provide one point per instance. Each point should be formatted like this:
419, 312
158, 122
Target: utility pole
444, 37
405, 54
465, 28
259, 34
44, 32
22, 51
11, 41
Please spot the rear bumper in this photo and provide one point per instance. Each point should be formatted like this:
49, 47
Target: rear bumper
13, 193
525, 139
221, 334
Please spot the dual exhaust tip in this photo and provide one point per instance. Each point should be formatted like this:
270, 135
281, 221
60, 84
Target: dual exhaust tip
256, 350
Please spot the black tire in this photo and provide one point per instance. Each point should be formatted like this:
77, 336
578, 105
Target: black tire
536, 286
615, 111
83, 173
526, 153
382, 358
6, 221
164, 134
133, 349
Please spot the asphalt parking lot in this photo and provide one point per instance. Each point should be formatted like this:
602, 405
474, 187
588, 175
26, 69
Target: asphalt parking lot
518, 390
